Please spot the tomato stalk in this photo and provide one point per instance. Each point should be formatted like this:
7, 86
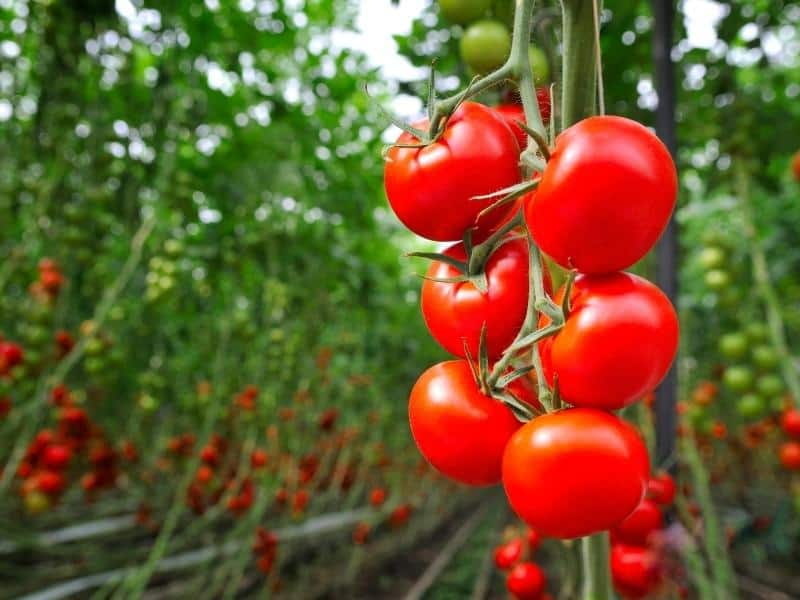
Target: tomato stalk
581, 47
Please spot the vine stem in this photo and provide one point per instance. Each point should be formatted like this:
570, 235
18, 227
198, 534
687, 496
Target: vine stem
596, 568
766, 288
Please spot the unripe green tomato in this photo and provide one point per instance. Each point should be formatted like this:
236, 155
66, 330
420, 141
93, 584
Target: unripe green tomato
155, 263
36, 502
151, 278
173, 247
717, 279
765, 357
94, 346
147, 403
751, 406
94, 364
712, 257
714, 237
539, 64
462, 12
769, 385
168, 267
738, 378
757, 332
36, 334
152, 294
733, 345
39, 313
166, 283
485, 46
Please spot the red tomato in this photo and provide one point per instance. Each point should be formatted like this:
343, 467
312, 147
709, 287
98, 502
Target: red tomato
637, 527
575, 472
661, 489
618, 342
790, 422
456, 312
789, 453
56, 457
796, 165
506, 555
526, 581
51, 483
431, 188
377, 496
634, 570
605, 196
514, 113
458, 429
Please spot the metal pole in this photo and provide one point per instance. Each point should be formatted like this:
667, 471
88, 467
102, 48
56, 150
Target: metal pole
667, 249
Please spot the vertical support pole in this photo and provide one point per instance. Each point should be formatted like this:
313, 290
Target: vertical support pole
667, 249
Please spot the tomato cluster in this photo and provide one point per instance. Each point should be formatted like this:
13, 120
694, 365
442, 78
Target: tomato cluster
572, 472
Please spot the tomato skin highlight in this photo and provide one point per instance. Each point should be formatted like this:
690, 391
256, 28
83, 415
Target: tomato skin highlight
617, 344
575, 472
430, 188
457, 428
456, 312
637, 527
605, 197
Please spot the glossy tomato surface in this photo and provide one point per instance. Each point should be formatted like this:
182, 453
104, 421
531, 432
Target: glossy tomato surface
790, 422
575, 472
458, 429
635, 571
508, 554
431, 188
789, 454
640, 525
618, 343
605, 197
456, 312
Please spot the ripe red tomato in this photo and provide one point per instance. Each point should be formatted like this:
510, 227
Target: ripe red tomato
506, 555
661, 489
458, 429
796, 165
575, 472
637, 527
431, 188
618, 342
789, 453
51, 483
790, 422
526, 581
456, 312
514, 113
56, 457
377, 496
635, 571
605, 196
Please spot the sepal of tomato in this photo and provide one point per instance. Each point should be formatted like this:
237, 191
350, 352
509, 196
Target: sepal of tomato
605, 197
575, 472
458, 429
618, 342
431, 188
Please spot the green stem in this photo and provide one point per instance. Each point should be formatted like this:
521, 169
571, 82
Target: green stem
765, 287
520, 59
578, 75
596, 567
